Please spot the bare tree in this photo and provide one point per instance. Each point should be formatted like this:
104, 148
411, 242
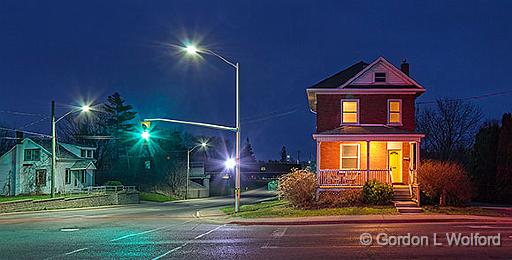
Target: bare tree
450, 127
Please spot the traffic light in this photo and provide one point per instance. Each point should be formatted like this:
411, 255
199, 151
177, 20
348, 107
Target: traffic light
145, 130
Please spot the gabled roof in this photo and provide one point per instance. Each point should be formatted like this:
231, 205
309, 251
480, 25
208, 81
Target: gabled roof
46, 144
83, 165
353, 80
341, 77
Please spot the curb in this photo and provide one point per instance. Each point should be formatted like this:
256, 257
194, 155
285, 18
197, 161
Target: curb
376, 221
63, 209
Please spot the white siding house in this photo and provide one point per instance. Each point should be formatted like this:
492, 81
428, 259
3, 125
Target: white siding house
26, 168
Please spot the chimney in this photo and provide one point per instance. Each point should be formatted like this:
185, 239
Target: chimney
404, 67
19, 137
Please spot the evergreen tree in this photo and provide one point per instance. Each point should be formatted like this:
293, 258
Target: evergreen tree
483, 170
504, 159
284, 155
247, 154
120, 116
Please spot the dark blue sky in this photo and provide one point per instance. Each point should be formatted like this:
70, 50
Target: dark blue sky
72, 50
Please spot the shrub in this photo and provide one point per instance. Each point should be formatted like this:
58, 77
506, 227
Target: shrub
377, 193
344, 198
444, 180
113, 183
298, 187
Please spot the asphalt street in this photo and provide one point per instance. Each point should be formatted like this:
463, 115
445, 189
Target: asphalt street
193, 230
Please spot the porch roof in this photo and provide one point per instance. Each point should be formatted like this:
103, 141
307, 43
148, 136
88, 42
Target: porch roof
368, 133
83, 165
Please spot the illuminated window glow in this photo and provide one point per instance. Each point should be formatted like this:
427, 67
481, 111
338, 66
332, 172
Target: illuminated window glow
349, 156
395, 111
350, 111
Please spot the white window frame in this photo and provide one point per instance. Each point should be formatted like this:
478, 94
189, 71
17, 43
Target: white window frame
385, 77
357, 112
389, 111
358, 156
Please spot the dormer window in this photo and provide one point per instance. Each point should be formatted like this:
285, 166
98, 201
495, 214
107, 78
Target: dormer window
380, 76
86, 153
349, 111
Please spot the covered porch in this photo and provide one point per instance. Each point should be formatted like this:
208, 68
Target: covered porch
349, 161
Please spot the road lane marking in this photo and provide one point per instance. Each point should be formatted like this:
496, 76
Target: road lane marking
76, 251
186, 243
147, 231
276, 235
69, 229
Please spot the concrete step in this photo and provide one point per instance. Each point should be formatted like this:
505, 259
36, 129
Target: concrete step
406, 203
406, 210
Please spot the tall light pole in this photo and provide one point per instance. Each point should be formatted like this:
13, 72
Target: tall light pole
189, 151
84, 108
193, 50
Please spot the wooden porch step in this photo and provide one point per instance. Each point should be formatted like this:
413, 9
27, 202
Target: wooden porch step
407, 203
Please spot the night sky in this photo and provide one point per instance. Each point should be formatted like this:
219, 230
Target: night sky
85, 50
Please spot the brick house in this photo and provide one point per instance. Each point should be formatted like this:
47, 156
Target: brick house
365, 127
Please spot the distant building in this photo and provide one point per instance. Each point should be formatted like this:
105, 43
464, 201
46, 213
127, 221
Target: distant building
26, 167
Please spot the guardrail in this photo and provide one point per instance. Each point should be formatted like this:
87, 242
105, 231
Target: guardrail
102, 189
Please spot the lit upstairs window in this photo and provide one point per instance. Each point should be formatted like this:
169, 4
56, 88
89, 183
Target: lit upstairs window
380, 76
350, 111
395, 112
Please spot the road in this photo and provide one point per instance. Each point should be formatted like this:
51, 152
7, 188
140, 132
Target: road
177, 230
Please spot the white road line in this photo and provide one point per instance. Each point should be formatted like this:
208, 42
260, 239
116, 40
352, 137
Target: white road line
186, 243
276, 235
76, 251
145, 232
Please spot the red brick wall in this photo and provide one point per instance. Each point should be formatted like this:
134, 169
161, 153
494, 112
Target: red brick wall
373, 110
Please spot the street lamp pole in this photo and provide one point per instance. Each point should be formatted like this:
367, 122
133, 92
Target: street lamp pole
54, 151
237, 149
189, 151
84, 108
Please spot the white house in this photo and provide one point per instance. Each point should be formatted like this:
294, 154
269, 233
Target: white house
26, 168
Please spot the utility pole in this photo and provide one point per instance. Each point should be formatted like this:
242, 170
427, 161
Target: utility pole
237, 158
54, 153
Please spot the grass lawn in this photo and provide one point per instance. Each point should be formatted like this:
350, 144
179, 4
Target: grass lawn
279, 208
38, 197
462, 211
147, 196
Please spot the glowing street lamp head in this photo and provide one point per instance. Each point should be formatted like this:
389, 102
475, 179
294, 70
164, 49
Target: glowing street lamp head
145, 135
86, 108
204, 144
191, 49
230, 163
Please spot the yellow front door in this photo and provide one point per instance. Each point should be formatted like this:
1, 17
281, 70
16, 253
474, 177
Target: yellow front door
395, 165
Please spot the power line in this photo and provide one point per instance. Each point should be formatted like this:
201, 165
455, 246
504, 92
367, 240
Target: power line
25, 132
19, 113
501, 93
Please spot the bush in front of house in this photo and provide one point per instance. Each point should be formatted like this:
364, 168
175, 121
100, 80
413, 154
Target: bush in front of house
298, 187
343, 198
377, 193
446, 181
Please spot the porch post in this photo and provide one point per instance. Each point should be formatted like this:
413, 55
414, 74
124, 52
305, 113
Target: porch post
367, 160
317, 157
417, 162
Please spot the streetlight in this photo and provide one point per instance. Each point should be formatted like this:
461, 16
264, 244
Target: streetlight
84, 108
230, 163
203, 145
193, 50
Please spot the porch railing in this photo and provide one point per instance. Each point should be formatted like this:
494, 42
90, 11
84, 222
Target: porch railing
356, 177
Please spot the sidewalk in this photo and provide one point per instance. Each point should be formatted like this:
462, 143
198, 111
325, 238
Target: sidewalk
371, 219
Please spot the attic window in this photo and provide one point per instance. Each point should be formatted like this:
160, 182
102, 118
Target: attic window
380, 76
